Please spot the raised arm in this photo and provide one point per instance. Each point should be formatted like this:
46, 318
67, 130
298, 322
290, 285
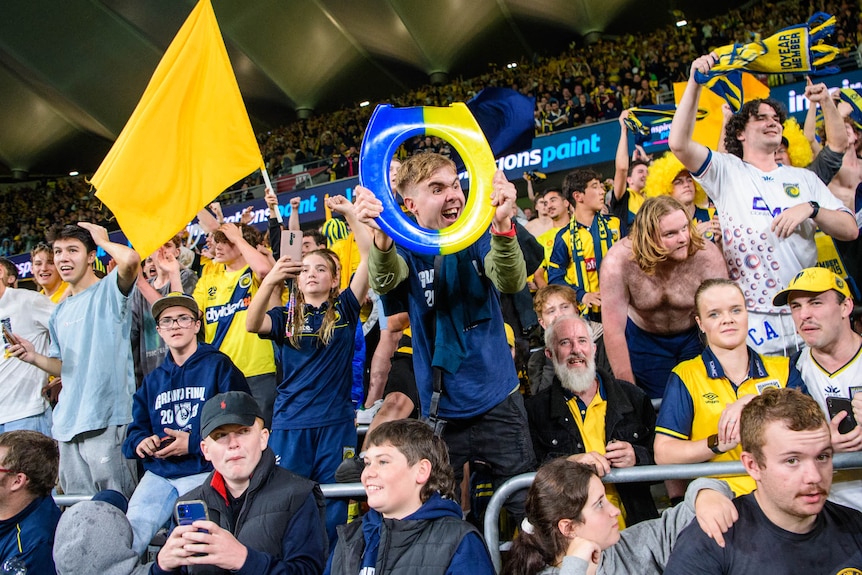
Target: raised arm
259, 263
268, 295
293, 219
836, 134
621, 161
128, 261
362, 235
690, 153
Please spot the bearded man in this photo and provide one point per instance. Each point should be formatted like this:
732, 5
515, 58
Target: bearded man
590, 417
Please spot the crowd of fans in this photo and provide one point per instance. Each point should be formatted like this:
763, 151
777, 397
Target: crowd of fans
584, 84
202, 397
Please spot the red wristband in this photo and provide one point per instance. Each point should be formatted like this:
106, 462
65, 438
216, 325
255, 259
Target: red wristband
509, 234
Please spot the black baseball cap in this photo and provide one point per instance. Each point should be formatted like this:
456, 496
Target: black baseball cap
230, 408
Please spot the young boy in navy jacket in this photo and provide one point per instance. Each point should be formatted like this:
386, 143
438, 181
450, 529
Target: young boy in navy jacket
165, 431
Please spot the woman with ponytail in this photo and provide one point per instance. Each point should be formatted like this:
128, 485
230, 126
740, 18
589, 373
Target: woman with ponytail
571, 528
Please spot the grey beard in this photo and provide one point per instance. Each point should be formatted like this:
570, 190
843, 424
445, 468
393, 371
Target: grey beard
576, 380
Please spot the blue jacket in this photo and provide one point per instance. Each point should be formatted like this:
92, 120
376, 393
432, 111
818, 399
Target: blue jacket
29, 535
173, 396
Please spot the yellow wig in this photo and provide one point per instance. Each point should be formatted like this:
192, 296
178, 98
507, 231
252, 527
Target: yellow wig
798, 147
662, 172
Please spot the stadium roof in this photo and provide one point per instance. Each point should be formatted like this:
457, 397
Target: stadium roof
71, 72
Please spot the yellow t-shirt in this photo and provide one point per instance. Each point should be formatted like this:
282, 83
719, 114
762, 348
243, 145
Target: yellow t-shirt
61, 291
223, 297
591, 424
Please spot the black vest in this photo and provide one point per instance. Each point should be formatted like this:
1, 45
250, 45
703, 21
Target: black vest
272, 498
423, 547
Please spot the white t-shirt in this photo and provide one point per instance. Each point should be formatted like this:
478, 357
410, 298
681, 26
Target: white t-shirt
747, 200
846, 484
26, 314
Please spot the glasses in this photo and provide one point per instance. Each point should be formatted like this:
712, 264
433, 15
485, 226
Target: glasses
184, 322
7, 470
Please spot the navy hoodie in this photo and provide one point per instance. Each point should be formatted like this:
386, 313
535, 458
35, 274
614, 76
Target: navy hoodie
173, 396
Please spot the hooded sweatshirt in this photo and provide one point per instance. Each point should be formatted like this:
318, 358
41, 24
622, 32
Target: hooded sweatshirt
95, 537
402, 545
173, 396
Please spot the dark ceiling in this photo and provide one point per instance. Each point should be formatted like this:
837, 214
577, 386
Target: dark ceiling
71, 72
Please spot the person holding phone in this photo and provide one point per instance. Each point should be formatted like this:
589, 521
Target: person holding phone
313, 422
262, 519
164, 432
27, 314
830, 364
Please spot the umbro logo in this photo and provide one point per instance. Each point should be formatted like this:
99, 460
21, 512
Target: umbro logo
710, 397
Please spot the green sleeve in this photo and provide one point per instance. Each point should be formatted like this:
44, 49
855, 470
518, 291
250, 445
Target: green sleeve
505, 265
386, 269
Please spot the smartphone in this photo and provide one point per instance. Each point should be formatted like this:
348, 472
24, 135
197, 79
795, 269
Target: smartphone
291, 245
10, 337
187, 512
165, 441
835, 405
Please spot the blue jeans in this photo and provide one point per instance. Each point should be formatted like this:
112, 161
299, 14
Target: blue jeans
40, 422
152, 504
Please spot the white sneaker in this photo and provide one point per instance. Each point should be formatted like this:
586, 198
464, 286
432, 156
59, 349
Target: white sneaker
365, 415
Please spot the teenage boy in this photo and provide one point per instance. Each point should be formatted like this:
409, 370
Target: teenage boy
455, 316
91, 351
164, 432
263, 519
413, 519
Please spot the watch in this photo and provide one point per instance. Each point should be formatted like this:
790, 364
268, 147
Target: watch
816, 207
712, 443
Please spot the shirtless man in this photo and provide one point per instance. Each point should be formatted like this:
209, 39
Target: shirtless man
543, 222
648, 282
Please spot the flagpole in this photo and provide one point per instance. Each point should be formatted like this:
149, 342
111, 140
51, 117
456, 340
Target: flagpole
268, 185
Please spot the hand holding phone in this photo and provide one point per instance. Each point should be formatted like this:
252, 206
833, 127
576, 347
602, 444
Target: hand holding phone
836, 405
187, 512
9, 336
291, 245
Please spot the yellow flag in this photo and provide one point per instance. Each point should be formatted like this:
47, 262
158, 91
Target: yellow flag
188, 139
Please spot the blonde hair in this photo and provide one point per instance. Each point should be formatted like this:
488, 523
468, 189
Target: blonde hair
297, 319
647, 248
663, 172
418, 168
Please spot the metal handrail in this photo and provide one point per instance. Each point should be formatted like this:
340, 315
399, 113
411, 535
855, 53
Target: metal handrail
627, 475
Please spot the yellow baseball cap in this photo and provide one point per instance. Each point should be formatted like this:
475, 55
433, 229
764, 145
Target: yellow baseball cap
813, 280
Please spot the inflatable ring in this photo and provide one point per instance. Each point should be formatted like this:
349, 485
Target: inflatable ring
386, 130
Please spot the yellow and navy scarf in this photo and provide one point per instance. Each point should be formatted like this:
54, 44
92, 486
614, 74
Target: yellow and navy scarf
796, 49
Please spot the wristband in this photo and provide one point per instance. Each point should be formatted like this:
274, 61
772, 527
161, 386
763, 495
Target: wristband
712, 443
509, 234
816, 207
